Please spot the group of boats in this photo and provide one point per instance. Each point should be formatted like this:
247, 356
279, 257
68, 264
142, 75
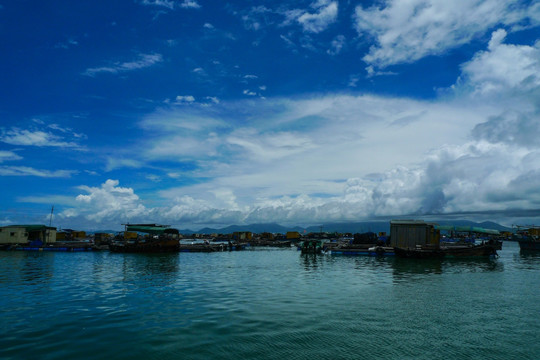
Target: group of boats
408, 239
416, 239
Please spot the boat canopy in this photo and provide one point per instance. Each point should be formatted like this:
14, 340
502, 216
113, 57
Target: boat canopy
154, 230
473, 229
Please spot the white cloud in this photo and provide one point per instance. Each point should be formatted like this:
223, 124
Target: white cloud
67, 44
143, 61
345, 157
212, 99
16, 136
113, 163
337, 45
406, 31
326, 14
503, 68
29, 171
8, 156
185, 99
190, 4
169, 4
109, 202
249, 93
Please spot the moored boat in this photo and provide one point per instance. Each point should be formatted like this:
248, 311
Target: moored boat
528, 237
311, 246
419, 239
157, 238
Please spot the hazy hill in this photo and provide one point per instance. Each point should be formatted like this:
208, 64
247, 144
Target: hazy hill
350, 227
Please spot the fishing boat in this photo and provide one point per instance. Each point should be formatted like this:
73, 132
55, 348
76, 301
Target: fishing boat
528, 237
419, 239
458, 251
311, 246
155, 238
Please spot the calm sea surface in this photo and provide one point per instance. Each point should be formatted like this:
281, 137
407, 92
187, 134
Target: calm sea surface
267, 304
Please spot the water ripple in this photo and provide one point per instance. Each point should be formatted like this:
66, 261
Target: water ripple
266, 304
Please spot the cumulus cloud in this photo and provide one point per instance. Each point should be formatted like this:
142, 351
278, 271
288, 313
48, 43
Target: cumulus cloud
108, 202
503, 68
407, 31
143, 61
347, 157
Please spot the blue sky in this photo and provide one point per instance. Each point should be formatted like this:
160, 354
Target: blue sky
201, 113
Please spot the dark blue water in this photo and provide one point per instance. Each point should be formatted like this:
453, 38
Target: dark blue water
267, 304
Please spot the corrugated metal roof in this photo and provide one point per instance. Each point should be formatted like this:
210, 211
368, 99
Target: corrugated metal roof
31, 227
469, 229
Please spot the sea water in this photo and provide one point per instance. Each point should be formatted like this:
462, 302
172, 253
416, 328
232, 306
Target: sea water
267, 304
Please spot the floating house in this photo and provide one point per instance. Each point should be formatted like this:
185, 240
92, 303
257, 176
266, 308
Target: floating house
293, 235
420, 239
21, 234
409, 234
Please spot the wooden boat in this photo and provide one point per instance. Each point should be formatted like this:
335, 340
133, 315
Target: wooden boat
420, 239
481, 250
146, 246
312, 246
158, 239
270, 243
368, 250
528, 238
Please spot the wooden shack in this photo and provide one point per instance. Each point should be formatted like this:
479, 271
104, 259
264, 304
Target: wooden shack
19, 234
409, 234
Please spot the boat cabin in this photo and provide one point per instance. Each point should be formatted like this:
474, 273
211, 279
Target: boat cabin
411, 234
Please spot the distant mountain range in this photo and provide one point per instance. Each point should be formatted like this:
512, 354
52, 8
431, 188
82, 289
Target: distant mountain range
350, 227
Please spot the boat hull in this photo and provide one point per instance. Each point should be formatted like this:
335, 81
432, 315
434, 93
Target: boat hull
484, 250
150, 247
529, 245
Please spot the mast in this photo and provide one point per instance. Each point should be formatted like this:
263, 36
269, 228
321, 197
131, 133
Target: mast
50, 222
50, 219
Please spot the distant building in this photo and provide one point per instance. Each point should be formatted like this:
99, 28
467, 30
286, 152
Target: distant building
20, 234
242, 235
70, 235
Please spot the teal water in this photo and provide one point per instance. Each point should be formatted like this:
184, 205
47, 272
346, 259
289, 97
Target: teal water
267, 304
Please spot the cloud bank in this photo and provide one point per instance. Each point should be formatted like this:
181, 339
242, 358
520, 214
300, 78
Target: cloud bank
343, 157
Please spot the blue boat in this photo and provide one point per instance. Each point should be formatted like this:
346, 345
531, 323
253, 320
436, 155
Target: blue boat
371, 251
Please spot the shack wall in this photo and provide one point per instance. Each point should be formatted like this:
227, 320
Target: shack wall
13, 235
407, 235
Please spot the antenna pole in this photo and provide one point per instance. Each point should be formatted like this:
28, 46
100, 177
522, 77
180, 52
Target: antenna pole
50, 220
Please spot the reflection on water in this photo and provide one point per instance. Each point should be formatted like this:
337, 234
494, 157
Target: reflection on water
160, 268
267, 304
29, 267
311, 261
529, 260
411, 269
405, 269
